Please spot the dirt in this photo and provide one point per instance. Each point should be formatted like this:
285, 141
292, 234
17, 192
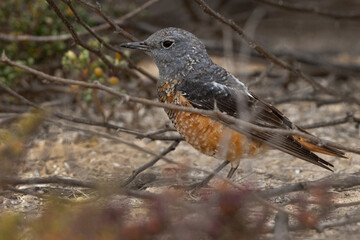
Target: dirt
89, 157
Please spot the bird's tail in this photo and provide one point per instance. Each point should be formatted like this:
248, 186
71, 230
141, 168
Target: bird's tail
320, 149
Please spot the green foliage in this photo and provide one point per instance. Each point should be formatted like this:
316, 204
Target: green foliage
9, 74
86, 66
30, 17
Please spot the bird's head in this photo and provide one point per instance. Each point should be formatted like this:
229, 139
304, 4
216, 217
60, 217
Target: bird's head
174, 51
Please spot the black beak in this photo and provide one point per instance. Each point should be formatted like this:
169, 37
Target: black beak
136, 45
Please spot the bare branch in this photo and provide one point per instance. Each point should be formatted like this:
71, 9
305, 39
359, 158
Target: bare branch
47, 180
348, 204
97, 52
314, 10
348, 118
336, 223
128, 143
333, 181
305, 98
32, 38
77, 39
97, 9
125, 34
233, 123
151, 135
18, 38
272, 58
262, 76
281, 228
16, 95
150, 164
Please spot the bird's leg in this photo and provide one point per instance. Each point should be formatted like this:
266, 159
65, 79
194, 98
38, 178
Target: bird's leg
234, 167
206, 180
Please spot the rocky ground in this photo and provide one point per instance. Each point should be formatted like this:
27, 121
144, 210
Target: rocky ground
82, 156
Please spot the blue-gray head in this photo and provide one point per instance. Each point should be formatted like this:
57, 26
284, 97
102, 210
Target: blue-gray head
175, 51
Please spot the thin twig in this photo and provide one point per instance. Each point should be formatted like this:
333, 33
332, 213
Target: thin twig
336, 223
349, 204
97, 9
77, 39
348, 118
233, 123
128, 143
305, 98
47, 180
301, 8
16, 95
332, 181
97, 52
150, 164
196, 186
153, 135
31, 38
262, 76
322, 225
125, 34
271, 57
281, 228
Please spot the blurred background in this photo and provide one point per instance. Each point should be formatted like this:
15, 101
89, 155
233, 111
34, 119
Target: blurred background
51, 131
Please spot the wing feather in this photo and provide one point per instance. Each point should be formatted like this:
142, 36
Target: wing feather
233, 98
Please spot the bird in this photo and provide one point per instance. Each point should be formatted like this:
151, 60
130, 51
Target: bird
189, 78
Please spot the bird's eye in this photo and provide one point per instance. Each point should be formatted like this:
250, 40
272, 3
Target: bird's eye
167, 43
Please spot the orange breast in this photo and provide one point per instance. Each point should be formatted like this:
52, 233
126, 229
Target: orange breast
213, 138
209, 136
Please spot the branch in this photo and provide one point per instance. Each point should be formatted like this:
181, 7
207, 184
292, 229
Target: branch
97, 52
272, 58
97, 9
77, 39
18, 38
153, 135
305, 98
233, 123
31, 38
125, 34
314, 10
281, 228
48, 180
336, 223
322, 225
128, 143
147, 165
348, 118
16, 95
332, 181
262, 76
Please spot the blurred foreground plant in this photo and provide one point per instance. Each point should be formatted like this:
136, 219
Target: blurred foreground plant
14, 137
224, 215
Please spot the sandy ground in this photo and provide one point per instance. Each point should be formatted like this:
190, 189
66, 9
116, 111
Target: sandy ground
79, 156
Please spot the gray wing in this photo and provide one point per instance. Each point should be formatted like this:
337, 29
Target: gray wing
232, 97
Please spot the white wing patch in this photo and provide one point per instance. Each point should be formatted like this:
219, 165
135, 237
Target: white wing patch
217, 85
223, 87
242, 84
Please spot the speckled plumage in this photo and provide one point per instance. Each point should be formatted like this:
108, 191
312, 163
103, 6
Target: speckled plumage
188, 77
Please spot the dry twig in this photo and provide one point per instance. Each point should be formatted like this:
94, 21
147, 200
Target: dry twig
101, 27
314, 10
272, 58
233, 123
331, 181
150, 164
281, 228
